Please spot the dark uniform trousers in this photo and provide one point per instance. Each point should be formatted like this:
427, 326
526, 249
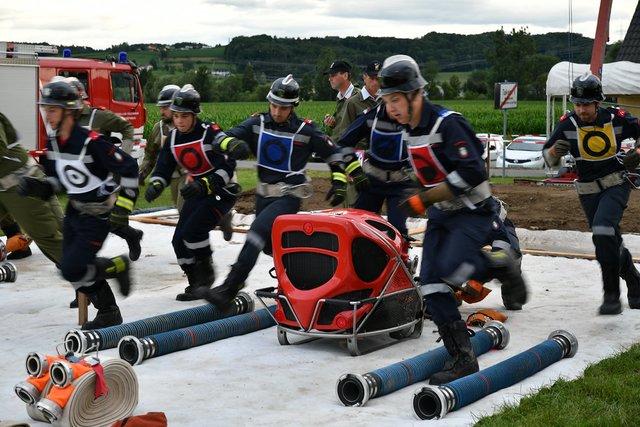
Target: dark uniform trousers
393, 192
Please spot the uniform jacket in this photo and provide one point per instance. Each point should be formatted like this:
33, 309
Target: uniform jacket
104, 122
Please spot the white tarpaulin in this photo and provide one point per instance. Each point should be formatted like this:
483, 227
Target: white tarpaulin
618, 78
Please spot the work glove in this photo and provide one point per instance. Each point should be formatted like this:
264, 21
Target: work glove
561, 148
35, 187
153, 190
120, 213
199, 187
338, 191
236, 148
360, 179
416, 204
632, 159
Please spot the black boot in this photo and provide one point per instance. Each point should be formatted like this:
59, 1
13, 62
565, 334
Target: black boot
133, 236
201, 274
108, 311
9, 231
225, 226
74, 303
115, 268
631, 276
463, 361
611, 286
222, 295
503, 267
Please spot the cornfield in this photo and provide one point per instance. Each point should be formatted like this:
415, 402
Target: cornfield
528, 118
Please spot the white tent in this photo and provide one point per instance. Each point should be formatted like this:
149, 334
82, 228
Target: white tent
618, 78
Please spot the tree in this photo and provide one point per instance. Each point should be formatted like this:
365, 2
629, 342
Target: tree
476, 85
249, 81
202, 83
508, 57
456, 87
322, 88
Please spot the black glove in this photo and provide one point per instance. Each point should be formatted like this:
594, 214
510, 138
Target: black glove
415, 205
35, 187
360, 180
236, 148
632, 159
199, 187
120, 213
337, 193
153, 190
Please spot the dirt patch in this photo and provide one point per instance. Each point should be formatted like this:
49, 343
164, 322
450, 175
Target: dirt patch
533, 207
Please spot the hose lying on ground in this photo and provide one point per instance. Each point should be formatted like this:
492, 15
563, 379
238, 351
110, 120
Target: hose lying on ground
81, 342
436, 401
356, 389
134, 350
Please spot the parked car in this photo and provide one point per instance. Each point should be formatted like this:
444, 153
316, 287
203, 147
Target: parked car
521, 154
530, 139
493, 141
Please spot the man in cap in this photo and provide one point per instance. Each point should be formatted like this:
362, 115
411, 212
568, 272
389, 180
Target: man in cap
368, 96
339, 76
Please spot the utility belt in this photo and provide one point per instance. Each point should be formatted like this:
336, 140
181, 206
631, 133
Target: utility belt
470, 199
600, 184
279, 189
386, 175
94, 208
12, 179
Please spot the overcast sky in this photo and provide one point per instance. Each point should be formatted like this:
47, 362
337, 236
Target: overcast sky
101, 24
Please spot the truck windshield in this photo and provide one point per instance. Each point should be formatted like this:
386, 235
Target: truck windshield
124, 86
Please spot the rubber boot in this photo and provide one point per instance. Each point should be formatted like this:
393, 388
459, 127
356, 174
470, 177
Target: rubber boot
632, 277
463, 360
200, 275
132, 236
225, 226
10, 230
502, 266
611, 301
108, 311
115, 268
221, 296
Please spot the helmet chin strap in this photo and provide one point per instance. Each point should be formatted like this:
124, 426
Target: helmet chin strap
410, 96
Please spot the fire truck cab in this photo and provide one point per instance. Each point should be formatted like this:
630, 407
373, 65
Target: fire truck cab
111, 84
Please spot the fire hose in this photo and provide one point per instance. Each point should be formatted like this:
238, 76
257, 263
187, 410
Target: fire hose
356, 389
436, 401
134, 350
79, 392
81, 342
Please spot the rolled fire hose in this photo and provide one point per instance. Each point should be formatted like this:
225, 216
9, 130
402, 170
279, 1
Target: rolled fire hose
134, 350
67, 397
82, 407
81, 342
436, 401
356, 389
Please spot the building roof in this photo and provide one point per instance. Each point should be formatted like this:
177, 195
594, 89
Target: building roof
630, 49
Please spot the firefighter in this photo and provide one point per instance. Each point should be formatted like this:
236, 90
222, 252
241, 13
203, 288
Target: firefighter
156, 141
446, 156
82, 163
385, 173
209, 195
592, 135
41, 219
282, 143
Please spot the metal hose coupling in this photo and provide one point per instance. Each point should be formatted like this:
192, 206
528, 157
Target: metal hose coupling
357, 389
435, 402
37, 365
8, 272
134, 350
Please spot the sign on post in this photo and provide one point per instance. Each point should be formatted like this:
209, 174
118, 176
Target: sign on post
506, 95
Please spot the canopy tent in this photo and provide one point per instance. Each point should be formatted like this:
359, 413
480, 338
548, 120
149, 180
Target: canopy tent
618, 78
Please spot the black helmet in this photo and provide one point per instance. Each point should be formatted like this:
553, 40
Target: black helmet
400, 73
166, 94
284, 91
60, 93
186, 100
586, 89
78, 86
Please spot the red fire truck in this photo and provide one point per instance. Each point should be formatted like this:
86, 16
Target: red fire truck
112, 84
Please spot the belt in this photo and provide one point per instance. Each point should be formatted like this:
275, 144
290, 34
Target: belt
94, 208
477, 194
600, 184
279, 189
386, 175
